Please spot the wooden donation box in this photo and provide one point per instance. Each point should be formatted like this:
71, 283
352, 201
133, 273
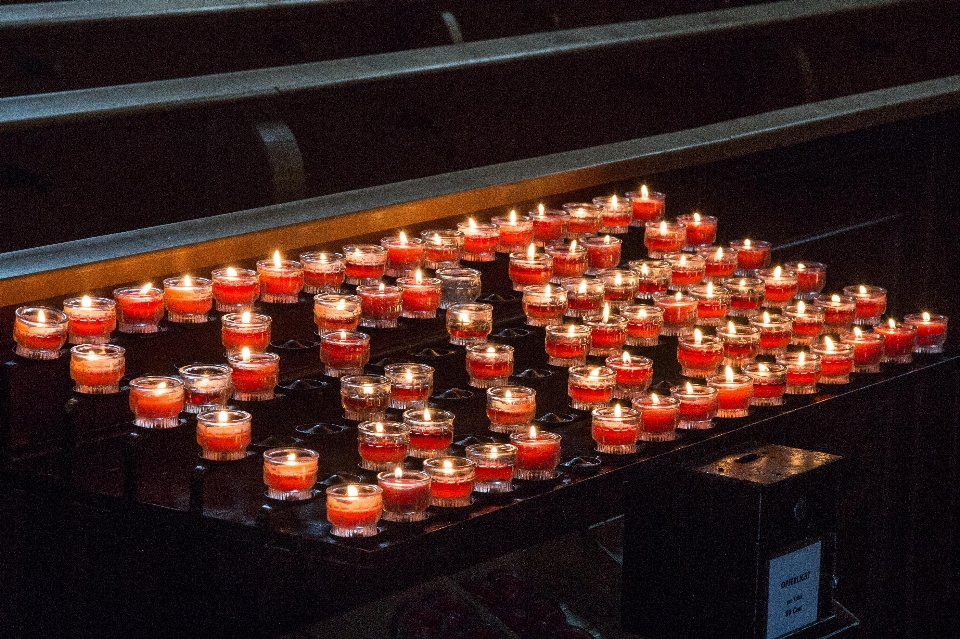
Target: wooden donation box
742, 546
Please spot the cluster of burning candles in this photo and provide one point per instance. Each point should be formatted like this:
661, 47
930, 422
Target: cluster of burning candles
733, 315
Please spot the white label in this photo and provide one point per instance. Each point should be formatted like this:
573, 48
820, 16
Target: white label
793, 590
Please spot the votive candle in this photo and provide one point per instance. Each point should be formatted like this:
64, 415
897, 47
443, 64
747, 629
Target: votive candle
699, 355
608, 333
701, 230
431, 432
769, 383
511, 408
516, 233
659, 417
713, 303
584, 296
648, 206
567, 344
811, 278
586, 219
323, 272
549, 225
836, 361
156, 401
899, 340
364, 263
619, 286
489, 365
529, 267
615, 429
615, 214
253, 375
336, 311
741, 344
746, 295
602, 253
590, 386
419, 296
653, 276
250, 330
643, 324
544, 304
698, 406
205, 387
752, 256
344, 352
410, 384
139, 310
406, 494
92, 319
538, 454
569, 260
365, 397
223, 435
280, 280
404, 255
776, 332
871, 303
839, 312
353, 510
664, 237
867, 350
493, 467
719, 263
188, 299
469, 323
931, 331
480, 241
39, 332
290, 473
458, 286
382, 445
451, 481
734, 392
634, 374
96, 369
779, 286
443, 248
806, 322
235, 289
679, 313
803, 372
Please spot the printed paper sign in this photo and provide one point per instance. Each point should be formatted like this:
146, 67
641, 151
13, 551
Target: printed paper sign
793, 590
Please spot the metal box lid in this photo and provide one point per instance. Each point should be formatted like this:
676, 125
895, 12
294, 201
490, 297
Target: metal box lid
767, 465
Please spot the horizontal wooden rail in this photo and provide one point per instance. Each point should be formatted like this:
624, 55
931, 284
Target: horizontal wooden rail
91, 263
163, 95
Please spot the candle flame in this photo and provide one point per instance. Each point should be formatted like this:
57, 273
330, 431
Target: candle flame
709, 289
644, 269
464, 317
697, 336
617, 411
828, 343
381, 289
409, 375
571, 331
418, 277
801, 266
162, 385
863, 289
426, 414
663, 228
606, 239
533, 432
891, 323
532, 251
618, 279
679, 296
323, 258
245, 354
494, 453
731, 327
403, 237
41, 316
743, 282
746, 244
277, 261
187, 281
447, 467
491, 350
378, 427
513, 216
573, 247
541, 209
343, 334
926, 316
763, 368
835, 298
766, 316
801, 308
231, 272
398, 473
606, 312
696, 217
146, 288
776, 272
689, 387
341, 304
642, 313
654, 399
223, 416
719, 254
644, 193
857, 332
437, 239
683, 261
352, 491
85, 301
291, 458
595, 372
368, 390
245, 317
802, 357
582, 289
547, 289
728, 373
625, 357
472, 223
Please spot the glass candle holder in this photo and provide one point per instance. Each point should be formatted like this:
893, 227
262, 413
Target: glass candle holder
188, 299
590, 387
899, 340
779, 286
643, 324
803, 372
223, 435
836, 361
634, 374
806, 323
253, 376
382, 445
867, 350
686, 271
510, 409
713, 303
608, 333
741, 344
567, 344
871, 303
664, 237
698, 406
380, 305
839, 312
769, 383
489, 365
245, 330
538, 454
493, 467
443, 248
156, 401
431, 432
569, 260
96, 369
205, 387
336, 311
931, 331
718, 263
353, 510
404, 255
451, 481
458, 286
515, 233
746, 295
549, 225
235, 289
290, 473
776, 332
364, 263
603, 253
419, 296
615, 214
619, 287
811, 278
410, 384
529, 268
653, 276
469, 323
365, 398
615, 429
480, 241
701, 230
139, 310
344, 352
92, 319
280, 280
323, 272
584, 296
699, 355
679, 313
734, 393
648, 206
40, 332
406, 494
544, 304
752, 256
586, 219
659, 417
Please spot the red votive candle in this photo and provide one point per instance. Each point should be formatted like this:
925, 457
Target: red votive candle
469, 323
156, 401
39, 332
643, 324
280, 280
530, 267
380, 305
538, 454
775, 333
480, 241
510, 409
431, 432
336, 311
647, 206
602, 253
585, 219
323, 272
740, 343
664, 237
806, 323
410, 384
223, 435
92, 319
659, 417
235, 289
139, 309
419, 296
619, 287
779, 286
205, 387
253, 375
839, 312
382, 445
803, 372
769, 383
344, 352
96, 369
188, 299
679, 313
734, 392
615, 429
899, 340
404, 256
615, 214
569, 260
494, 464
364, 263
353, 510
365, 397
752, 256
544, 304
584, 296
811, 278
686, 271
442, 248
250, 330
516, 233
701, 230
406, 494
718, 263
634, 374
489, 365
699, 355
549, 225
451, 481
836, 361
867, 350
698, 406
713, 303
608, 333
590, 386
746, 295
931, 331
653, 276
567, 345
290, 473
871, 303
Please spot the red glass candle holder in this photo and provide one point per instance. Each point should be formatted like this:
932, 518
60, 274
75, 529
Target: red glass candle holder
615, 214
344, 352
653, 276
410, 384
290, 473
811, 278
353, 510
364, 263
664, 237
719, 263
223, 435
867, 350
659, 417
96, 369
619, 287
871, 303
419, 296
713, 303
92, 319
323, 272
584, 296
458, 286
489, 365
139, 310
406, 494
245, 330
538, 454
451, 481
156, 401
634, 374
590, 386
701, 230
431, 432
516, 233
404, 255
205, 387
741, 344
679, 313
382, 445
586, 219
734, 393
803, 372
511, 409
698, 406
608, 333
776, 332
746, 295
769, 383
615, 429
931, 331
336, 311
469, 323
253, 375
549, 225
647, 206
480, 241
280, 280
806, 323
752, 256
40, 332
235, 289
443, 248
567, 344
686, 271
699, 355
188, 299
544, 304
569, 260
603, 253
899, 340
365, 398
528, 268
380, 305
493, 467
643, 324
836, 361
839, 312
779, 286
